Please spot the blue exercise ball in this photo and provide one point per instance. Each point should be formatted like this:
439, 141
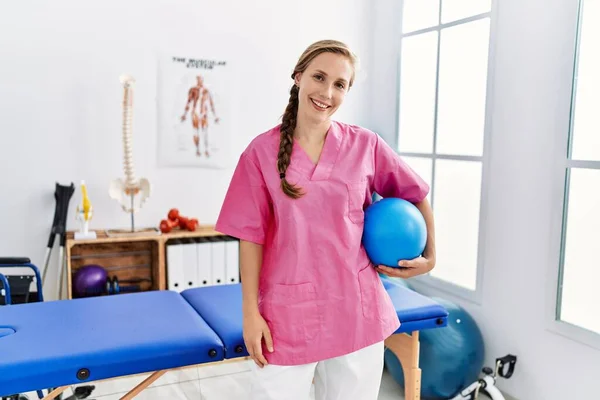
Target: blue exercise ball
394, 230
450, 358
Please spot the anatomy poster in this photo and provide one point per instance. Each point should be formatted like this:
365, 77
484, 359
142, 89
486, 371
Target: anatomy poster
193, 115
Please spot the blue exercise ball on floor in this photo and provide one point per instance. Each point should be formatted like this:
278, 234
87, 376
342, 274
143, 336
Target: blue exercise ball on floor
394, 230
450, 358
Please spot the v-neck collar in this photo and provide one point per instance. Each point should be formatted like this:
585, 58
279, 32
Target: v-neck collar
322, 169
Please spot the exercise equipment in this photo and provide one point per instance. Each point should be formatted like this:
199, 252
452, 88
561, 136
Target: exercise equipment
93, 280
487, 383
394, 230
177, 221
89, 280
155, 331
115, 286
62, 196
450, 358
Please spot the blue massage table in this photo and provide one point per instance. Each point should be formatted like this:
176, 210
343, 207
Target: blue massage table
52, 345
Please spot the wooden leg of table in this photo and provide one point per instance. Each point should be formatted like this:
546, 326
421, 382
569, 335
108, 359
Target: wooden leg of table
161, 267
406, 348
143, 385
55, 392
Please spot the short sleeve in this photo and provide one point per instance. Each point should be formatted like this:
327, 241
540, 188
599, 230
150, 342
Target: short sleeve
246, 210
394, 177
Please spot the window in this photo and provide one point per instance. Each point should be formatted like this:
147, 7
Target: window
441, 122
578, 294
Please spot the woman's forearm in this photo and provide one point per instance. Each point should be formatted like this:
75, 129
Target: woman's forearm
427, 212
250, 264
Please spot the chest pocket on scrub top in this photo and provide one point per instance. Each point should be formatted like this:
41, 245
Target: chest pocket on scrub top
357, 192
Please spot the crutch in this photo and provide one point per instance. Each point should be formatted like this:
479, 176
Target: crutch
62, 195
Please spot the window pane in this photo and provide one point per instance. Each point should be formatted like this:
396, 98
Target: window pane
581, 275
453, 10
420, 14
417, 93
462, 88
423, 167
456, 205
586, 129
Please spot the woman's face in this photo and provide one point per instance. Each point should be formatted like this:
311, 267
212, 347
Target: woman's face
323, 86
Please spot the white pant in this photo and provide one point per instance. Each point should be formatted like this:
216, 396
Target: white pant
353, 376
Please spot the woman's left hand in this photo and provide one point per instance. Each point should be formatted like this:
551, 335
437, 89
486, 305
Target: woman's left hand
408, 268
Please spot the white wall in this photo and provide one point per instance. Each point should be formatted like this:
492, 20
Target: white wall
60, 102
532, 68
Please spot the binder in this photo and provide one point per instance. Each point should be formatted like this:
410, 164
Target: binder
174, 258
218, 261
189, 263
204, 262
232, 260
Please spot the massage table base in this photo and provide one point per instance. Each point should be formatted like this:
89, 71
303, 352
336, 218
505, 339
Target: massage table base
405, 346
130, 395
197, 327
154, 376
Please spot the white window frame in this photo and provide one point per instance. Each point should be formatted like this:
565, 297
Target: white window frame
425, 282
560, 207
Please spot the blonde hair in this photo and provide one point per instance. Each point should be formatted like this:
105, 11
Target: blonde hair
288, 123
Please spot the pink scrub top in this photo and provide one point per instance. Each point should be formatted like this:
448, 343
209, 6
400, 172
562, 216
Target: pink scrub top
318, 291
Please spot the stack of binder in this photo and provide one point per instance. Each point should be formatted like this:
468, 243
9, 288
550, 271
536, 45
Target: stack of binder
202, 261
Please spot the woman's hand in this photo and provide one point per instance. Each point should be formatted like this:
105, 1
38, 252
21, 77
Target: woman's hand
408, 268
255, 330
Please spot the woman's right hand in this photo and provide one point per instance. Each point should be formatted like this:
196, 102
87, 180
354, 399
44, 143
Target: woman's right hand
255, 329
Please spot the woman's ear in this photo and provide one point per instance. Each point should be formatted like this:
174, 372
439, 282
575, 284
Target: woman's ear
297, 78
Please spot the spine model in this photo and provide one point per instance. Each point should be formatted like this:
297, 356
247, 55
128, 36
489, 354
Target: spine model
129, 168
130, 192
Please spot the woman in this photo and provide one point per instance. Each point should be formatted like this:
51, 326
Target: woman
313, 304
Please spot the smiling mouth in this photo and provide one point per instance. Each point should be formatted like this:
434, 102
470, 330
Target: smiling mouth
319, 105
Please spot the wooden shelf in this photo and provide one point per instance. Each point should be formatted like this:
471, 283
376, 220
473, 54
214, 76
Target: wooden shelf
138, 256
